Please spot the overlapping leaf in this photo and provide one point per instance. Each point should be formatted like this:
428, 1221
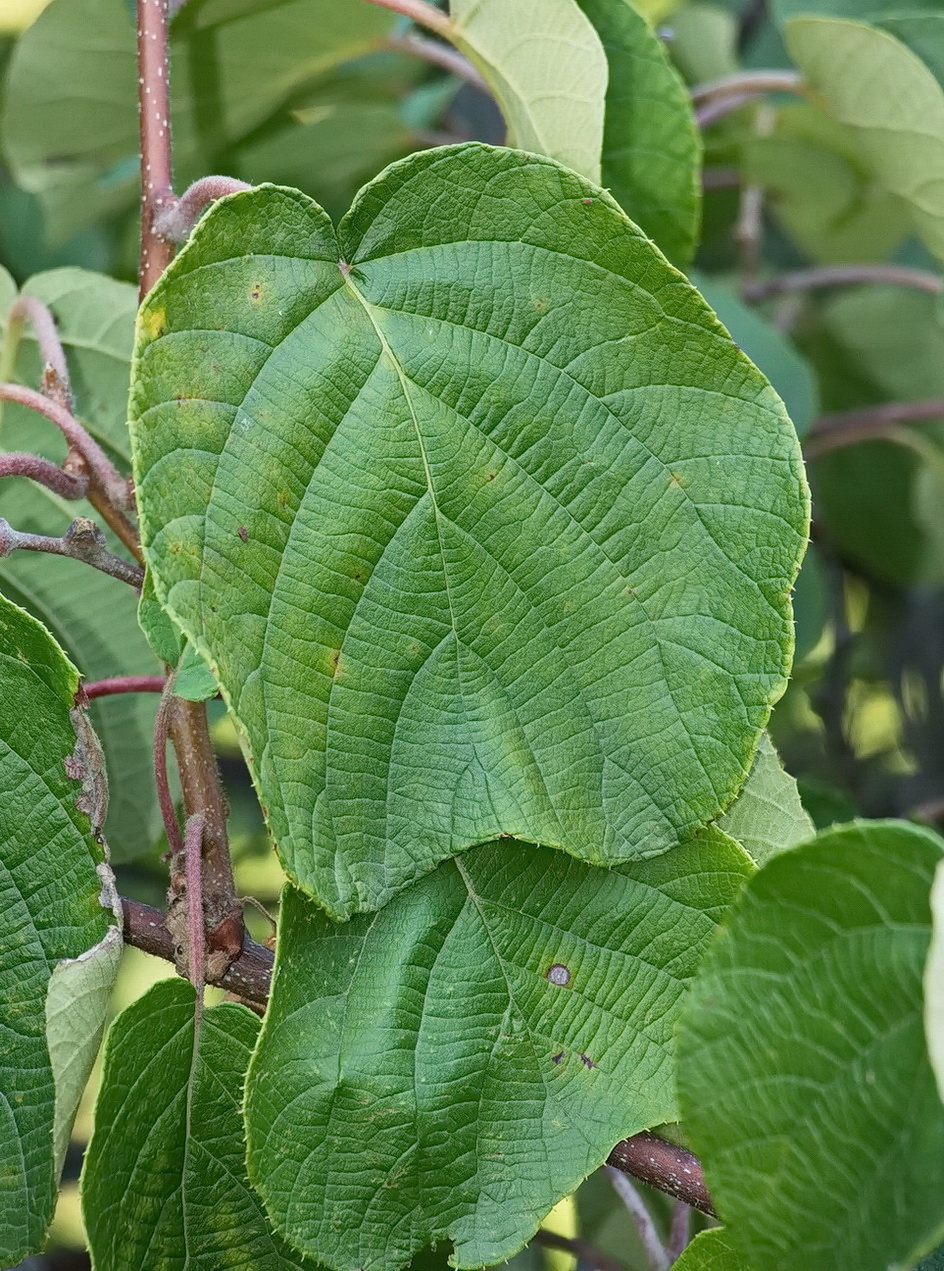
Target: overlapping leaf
50, 911
452, 1066
482, 522
767, 817
547, 68
164, 1184
804, 1076
711, 1251
651, 150
890, 101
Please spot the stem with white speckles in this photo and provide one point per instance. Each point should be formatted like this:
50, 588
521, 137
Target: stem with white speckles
154, 119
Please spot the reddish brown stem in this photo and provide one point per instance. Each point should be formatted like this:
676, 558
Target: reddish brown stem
164, 797
843, 276
249, 975
196, 944
67, 485
441, 55
670, 1168
83, 541
47, 337
581, 1249
154, 119
125, 684
848, 428
177, 219
419, 11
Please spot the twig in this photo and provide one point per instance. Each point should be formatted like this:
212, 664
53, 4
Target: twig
32, 310
83, 541
196, 943
872, 423
419, 11
124, 684
842, 276
656, 1254
670, 1168
164, 797
68, 485
154, 119
175, 220
437, 54
580, 1249
249, 975
681, 1230
108, 491
719, 98
202, 793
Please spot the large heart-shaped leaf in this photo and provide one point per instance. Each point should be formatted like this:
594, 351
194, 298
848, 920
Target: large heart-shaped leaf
803, 1072
482, 521
451, 1067
50, 912
168, 1109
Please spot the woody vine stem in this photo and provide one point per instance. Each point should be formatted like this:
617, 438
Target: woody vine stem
229, 958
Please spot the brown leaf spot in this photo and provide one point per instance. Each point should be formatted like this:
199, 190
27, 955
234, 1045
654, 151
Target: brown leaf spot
555, 1059
336, 662
558, 974
255, 294
587, 1061
243, 533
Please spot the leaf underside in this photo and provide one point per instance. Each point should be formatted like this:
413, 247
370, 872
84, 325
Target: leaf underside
489, 530
451, 1067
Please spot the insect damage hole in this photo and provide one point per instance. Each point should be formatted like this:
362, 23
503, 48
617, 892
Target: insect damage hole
558, 974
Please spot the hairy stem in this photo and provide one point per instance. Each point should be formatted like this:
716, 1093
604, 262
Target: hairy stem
753, 82
176, 220
124, 684
672, 1169
655, 1250
68, 485
83, 541
32, 310
847, 428
161, 780
154, 121
437, 54
842, 276
419, 11
249, 975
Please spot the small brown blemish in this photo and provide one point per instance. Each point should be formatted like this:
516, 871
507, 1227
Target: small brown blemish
587, 202
587, 1061
335, 662
558, 974
491, 476
358, 577
540, 305
243, 533
344, 267
630, 591
679, 478
256, 292
555, 1059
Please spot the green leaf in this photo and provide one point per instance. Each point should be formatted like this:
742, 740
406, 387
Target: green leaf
865, 10
76, 1010
823, 191
704, 42
95, 319
547, 68
494, 1030
489, 531
767, 817
891, 103
803, 1074
70, 118
923, 33
169, 1111
49, 912
92, 616
711, 1251
651, 148
771, 352
934, 982
194, 681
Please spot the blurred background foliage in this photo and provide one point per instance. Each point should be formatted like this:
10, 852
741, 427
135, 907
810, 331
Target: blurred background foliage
321, 96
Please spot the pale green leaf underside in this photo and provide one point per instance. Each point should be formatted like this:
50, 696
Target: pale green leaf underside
934, 982
164, 1186
767, 817
492, 535
803, 1073
49, 911
892, 103
546, 66
452, 1066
